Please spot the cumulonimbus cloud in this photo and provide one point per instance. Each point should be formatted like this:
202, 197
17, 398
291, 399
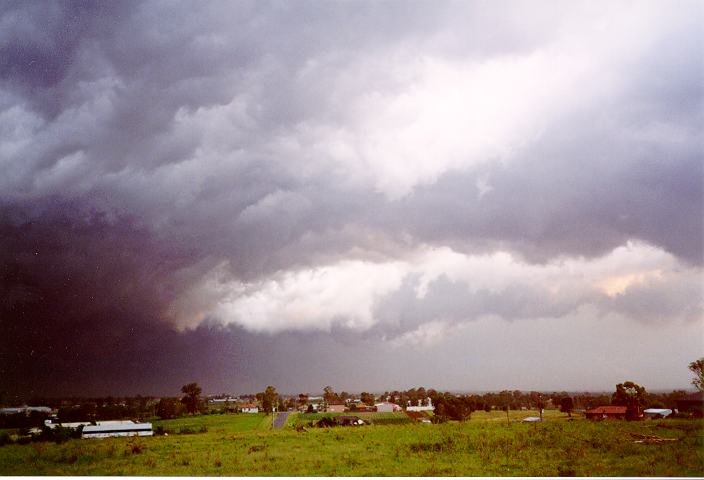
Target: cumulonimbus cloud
369, 167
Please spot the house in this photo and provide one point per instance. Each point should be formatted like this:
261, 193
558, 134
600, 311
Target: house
657, 412
336, 407
249, 408
608, 411
117, 428
692, 404
387, 407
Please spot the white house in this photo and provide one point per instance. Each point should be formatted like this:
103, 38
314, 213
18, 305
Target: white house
249, 408
387, 407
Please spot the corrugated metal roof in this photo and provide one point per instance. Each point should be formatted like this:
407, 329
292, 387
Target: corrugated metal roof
116, 427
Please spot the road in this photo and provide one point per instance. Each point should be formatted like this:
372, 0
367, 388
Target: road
280, 420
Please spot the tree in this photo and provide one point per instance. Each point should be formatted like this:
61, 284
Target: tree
168, 408
192, 397
566, 405
329, 394
269, 397
632, 396
697, 367
367, 398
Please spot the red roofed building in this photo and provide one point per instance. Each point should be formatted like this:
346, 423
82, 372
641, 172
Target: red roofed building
609, 411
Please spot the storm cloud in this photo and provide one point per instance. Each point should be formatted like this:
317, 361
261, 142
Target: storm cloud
241, 192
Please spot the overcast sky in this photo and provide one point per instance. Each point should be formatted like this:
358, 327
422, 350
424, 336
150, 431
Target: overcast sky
368, 195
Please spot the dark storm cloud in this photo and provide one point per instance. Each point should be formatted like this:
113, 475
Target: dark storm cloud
146, 145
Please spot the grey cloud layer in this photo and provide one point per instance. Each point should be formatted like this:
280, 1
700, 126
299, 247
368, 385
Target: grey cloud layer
144, 145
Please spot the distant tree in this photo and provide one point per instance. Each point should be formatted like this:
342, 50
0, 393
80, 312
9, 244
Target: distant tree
697, 367
672, 397
168, 408
329, 394
302, 398
269, 398
461, 409
596, 401
310, 408
630, 395
367, 398
191, 399
567, 405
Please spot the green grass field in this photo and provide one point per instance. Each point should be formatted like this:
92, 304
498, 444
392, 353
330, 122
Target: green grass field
244, 445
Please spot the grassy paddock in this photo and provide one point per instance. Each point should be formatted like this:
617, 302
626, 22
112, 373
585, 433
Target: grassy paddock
227, 423
241, 445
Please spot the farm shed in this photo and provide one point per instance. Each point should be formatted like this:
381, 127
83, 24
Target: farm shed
51, 424
607, 412
222, 400
26, 410
387, 407
118, 429
657, 412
